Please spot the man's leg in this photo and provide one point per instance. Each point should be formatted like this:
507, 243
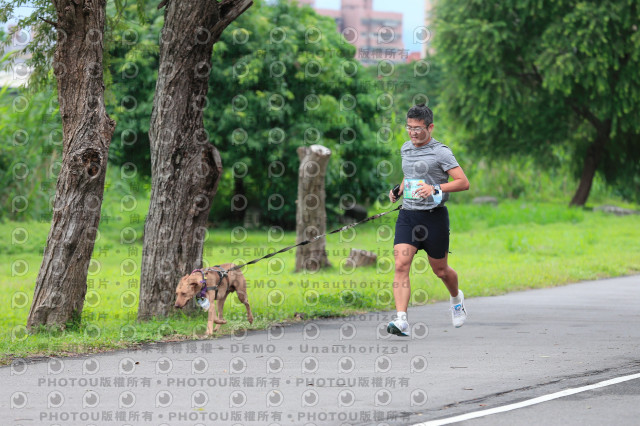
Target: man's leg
443, 271
403, 254
450, 279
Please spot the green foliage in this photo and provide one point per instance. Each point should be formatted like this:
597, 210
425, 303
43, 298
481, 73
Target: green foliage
30, 126
43, 35
281, 78
406, 85
538, 78
519, 178
41, 45
30, 153
31, 158
132, 58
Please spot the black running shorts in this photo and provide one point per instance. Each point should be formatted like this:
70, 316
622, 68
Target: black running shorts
426, 230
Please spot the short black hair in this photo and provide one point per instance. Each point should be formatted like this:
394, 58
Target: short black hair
421, 112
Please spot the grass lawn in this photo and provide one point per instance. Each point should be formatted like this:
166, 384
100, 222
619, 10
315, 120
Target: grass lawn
514, 246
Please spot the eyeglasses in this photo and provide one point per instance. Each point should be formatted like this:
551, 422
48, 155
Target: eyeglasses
414, 129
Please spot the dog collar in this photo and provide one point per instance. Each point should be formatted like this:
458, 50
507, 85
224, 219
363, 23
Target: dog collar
203, 281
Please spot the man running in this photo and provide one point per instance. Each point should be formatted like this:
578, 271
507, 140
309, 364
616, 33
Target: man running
423, 221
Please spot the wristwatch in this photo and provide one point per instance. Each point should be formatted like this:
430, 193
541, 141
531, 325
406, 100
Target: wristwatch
437, 194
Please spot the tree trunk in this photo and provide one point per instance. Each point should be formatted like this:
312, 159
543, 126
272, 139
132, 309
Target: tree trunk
591, 162
239, 201
311, 216
87, 130
185, 167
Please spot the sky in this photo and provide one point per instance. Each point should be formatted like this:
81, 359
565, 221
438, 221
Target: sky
412, 16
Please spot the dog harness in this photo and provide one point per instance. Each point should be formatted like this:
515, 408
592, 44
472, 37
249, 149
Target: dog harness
221, 273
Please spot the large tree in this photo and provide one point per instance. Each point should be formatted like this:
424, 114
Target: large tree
547, 79
185, 166
87, 130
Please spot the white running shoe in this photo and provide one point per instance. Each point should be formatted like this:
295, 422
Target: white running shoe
398, 327
458, 312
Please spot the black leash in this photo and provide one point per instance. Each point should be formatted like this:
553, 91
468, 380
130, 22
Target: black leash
344, 228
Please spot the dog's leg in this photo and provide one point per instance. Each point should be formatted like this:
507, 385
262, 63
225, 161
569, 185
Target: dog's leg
242, 297
210, 319
220, 320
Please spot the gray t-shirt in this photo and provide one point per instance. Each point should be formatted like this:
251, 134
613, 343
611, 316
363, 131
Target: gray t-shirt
428, 163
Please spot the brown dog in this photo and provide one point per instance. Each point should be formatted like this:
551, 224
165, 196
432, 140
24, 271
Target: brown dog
191, 285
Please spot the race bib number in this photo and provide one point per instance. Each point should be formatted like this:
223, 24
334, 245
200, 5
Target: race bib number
410, 188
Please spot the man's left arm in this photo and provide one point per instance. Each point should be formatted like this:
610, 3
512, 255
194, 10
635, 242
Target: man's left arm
459, 182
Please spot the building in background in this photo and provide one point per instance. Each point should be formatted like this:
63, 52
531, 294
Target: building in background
414, 56
376, 35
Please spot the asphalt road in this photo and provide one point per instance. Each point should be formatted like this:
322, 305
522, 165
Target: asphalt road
348, 371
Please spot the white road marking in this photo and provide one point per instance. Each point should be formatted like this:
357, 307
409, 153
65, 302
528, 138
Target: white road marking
538, 400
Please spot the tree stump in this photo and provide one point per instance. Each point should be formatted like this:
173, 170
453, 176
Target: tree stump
361, 258
311, 216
